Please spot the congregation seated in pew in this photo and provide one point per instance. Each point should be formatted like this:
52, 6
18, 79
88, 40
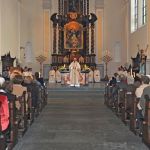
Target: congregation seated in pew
135, 108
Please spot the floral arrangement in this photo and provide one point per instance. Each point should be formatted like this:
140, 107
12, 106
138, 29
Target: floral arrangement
62, 68
86, 68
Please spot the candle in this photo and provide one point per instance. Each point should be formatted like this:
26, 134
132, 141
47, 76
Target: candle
131, 71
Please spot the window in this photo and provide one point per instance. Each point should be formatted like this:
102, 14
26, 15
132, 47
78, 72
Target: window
138, 14
144, 12
134, 15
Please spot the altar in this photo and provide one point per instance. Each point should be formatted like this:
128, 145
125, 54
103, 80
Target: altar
63, 77
73, 34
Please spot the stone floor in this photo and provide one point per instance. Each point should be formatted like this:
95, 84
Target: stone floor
78, 120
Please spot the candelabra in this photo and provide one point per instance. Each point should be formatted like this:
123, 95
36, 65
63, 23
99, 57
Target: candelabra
41, 59
106, 59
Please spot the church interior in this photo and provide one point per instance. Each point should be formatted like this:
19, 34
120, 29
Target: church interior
74, 74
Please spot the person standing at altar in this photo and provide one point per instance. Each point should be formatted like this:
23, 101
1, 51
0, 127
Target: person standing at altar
74, 68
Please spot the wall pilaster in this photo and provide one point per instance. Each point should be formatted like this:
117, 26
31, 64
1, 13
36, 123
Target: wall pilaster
148, 26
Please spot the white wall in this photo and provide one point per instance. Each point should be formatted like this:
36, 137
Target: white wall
10, 26
32, 29
113, 33
21, 21
138, 37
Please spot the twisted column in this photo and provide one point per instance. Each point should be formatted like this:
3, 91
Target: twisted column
84, 7
87, 40
59, 6
54, 39
92, 38
87, 5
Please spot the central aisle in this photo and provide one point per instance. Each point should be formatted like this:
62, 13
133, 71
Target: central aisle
78, 120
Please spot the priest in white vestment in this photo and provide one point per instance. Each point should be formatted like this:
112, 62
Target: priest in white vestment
75, 69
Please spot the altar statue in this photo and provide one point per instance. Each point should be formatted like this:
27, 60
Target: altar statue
74, 68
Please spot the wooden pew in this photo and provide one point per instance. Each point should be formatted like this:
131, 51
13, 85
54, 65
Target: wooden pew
2, 138
22, 116
106, 95
13, 125
109, 97
120, 101
146, 123
45, 95
36, 99
133, 113
30, 112
124, 107
40, 100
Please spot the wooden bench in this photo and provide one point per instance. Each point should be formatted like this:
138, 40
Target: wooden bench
30, 112
2, 138
133, 113
22, 115
13, 125
146, 123
120, 101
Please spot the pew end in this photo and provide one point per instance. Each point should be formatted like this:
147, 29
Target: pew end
146, 122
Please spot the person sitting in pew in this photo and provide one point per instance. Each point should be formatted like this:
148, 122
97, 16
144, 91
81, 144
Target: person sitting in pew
113, 81
18, 89
121, 84
138, 93
4, 112
39, 79
8, 87
146, 91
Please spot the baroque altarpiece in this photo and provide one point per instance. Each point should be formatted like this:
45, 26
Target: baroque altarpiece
73, 33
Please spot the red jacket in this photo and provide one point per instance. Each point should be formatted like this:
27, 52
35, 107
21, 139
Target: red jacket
4, 112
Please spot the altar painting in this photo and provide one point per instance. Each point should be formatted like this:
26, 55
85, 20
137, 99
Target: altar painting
73, 35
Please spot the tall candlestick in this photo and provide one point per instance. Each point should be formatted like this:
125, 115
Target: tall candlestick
131, 71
